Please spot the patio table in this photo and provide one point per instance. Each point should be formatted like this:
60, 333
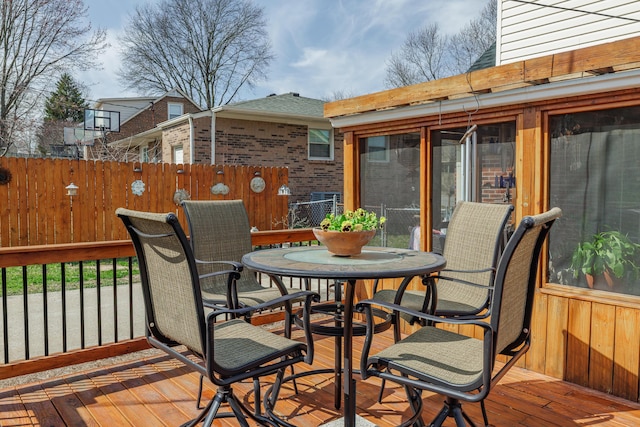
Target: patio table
373, 263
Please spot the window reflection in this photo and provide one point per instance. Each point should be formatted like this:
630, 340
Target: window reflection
595, 179
390, 185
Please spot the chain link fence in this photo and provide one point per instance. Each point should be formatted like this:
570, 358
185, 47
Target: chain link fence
401, 227
311, 214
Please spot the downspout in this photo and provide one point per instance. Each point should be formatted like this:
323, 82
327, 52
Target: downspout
213, 138
191, 140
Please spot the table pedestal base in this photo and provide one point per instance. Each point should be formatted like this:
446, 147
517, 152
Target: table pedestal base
360, 422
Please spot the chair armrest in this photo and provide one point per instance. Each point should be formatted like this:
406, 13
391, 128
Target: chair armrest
237, 266
482, 270
365, 305
309, 295
464, 282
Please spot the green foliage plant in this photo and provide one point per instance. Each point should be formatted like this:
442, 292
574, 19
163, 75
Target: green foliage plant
358, 220
607, 251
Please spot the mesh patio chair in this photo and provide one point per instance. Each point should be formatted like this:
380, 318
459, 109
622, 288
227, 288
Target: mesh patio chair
475, 237
219, 231
455, 365
226, 352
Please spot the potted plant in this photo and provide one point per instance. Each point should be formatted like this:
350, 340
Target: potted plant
607, 254
347, 233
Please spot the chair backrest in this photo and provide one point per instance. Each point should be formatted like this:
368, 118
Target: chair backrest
219, 230
515, 282
173, 302
474, 240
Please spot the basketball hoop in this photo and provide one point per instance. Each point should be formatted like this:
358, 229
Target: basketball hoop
101, 120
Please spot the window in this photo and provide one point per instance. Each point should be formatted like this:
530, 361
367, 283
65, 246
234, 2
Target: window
320, 144
390, 186
378, 149
144, 154
175, 110
178, 154
595, 179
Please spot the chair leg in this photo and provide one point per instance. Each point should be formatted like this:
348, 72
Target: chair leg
484, 414
270, 399
199, 400
256, 396
414, 397
381, 390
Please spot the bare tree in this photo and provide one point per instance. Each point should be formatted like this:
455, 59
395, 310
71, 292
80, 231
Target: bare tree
421, 58
39, 39
474, 39
208, 48
429, 55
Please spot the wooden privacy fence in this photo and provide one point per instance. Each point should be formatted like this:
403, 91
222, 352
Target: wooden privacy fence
36, 210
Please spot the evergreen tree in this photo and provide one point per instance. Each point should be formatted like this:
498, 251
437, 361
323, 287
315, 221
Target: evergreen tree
66, 103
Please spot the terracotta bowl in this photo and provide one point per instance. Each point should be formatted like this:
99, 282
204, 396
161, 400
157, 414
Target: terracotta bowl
344, 244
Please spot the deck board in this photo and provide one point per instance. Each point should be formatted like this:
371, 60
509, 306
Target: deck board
156, 390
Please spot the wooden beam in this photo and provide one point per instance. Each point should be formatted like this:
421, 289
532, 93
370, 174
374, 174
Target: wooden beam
62, 360
614, 56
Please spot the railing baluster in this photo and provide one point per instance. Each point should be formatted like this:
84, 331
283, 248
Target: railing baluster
63, 289
45, 310
81, 272
115, 300
25, 306
5, 316
99, 301
131, 297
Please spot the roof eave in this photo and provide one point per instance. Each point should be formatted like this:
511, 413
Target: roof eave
561, 89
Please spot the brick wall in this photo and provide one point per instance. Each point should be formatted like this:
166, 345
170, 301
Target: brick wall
243, 142
149, 118
174, 136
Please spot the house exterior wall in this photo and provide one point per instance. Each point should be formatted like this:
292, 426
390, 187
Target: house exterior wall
151, 116
126, 107
244, 142
175, 136
587, 336
532, 30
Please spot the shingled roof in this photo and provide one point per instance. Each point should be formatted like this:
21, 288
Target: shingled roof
289, 103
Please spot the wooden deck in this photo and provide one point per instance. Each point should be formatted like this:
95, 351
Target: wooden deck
156, 390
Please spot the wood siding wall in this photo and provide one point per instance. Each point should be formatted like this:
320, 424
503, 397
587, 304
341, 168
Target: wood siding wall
583, 336
531, 30
35, 208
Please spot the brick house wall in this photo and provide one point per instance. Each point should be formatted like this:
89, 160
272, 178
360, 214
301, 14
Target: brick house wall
256, 143
144, 120
179, 135
150, 117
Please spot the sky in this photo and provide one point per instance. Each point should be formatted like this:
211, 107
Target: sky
321, 47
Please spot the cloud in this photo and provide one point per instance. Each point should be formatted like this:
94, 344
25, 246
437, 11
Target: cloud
320, 46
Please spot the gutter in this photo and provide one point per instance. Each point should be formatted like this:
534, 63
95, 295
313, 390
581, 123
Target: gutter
191, 141
584, 86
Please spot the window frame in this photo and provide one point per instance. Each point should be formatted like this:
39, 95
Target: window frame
330, 143
175, 150
174, 104
382, 150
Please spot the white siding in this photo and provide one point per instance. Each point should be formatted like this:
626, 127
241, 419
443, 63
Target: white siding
527, 30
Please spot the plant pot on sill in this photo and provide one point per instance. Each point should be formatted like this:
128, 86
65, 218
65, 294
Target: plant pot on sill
604, 281
344, 243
